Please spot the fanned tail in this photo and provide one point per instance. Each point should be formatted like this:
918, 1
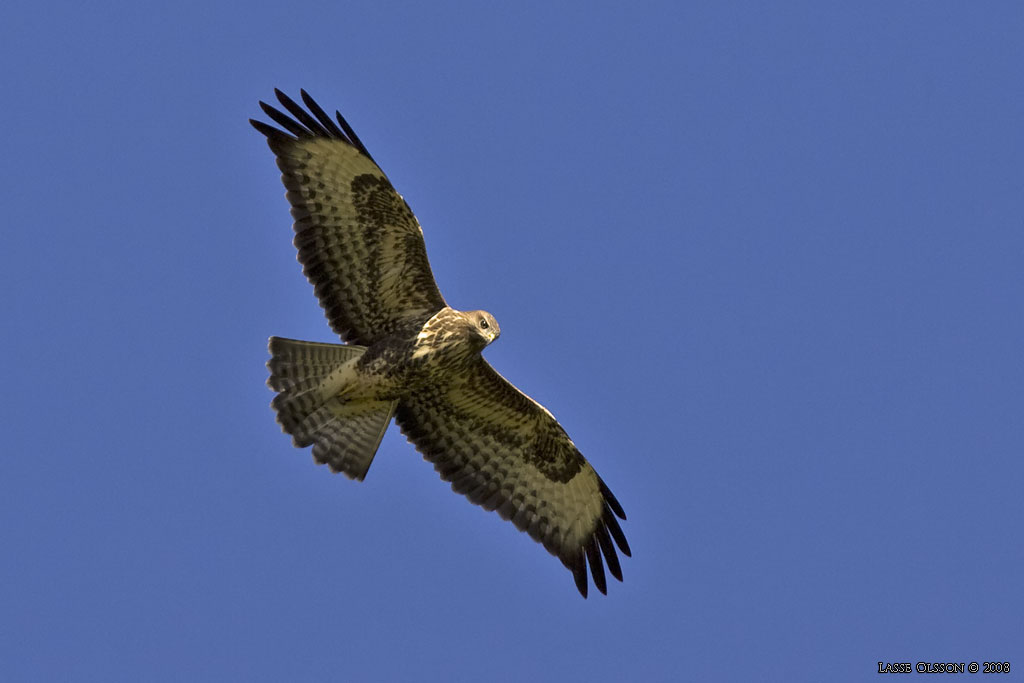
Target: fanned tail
307, 376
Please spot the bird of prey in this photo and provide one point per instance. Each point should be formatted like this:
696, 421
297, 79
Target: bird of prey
410, 356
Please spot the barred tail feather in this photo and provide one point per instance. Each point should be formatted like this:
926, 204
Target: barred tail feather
347, 442
344, 434
294, 362
297, 369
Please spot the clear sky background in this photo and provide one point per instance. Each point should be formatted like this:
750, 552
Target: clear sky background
764, 261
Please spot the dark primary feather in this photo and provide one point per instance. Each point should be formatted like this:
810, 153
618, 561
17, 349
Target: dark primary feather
301, 115
608, 550
282, 120
302, 125
321, 115
596, 568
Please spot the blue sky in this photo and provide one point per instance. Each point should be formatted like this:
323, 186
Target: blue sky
765, 263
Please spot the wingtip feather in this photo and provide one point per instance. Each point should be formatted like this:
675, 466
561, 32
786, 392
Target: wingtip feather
321, 115
616, 532
596, 566
611, 499
608, 550
306, 124
578, 567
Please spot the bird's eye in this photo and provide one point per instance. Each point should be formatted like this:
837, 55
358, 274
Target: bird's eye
483, 323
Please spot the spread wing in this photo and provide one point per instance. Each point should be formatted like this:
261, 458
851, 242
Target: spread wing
506, 452
359, 243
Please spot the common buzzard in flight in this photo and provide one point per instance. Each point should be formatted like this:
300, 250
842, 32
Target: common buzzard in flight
410, 356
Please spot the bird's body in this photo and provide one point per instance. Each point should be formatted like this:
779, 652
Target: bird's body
412, 357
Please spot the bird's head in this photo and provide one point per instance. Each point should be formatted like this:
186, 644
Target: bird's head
483, 325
